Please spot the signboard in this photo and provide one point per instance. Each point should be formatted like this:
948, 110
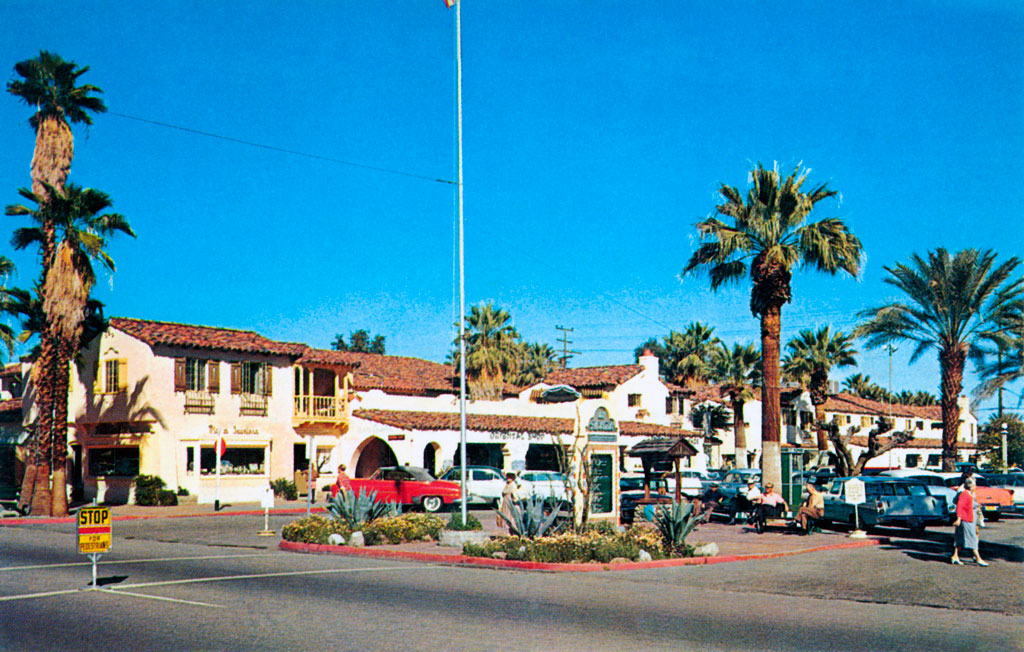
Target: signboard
94, 530
854, 491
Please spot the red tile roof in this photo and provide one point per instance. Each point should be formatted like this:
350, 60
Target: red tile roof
408, 420
607, 376
401, 375
10, 405
204, 337
916, 442
12, 369
637, 428
851, 404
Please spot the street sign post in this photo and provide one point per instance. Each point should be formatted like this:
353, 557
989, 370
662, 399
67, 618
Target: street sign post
95, 534
854, 490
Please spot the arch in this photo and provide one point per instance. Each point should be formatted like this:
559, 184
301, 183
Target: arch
371, 455
430, 455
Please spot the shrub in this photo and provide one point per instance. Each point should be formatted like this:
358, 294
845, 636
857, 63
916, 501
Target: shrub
147, 489
590, 546
182, 491
167, 497
455, 522
314, 529
357, 510
285, 488
403, 528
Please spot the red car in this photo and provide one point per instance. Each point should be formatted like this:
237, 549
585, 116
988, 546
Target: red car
409, 485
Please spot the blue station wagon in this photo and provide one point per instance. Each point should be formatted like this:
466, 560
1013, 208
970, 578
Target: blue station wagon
888, 502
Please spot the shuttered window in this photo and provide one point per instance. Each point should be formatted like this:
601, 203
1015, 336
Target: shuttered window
196, 375
251, 378
213, 376
113, 376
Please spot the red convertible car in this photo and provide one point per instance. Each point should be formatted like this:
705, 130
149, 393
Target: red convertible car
409, 485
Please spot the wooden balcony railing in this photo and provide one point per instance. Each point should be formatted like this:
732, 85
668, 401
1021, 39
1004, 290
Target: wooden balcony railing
319, 409
197, 402
253, 405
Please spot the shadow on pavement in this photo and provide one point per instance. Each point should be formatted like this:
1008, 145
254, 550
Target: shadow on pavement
938, 546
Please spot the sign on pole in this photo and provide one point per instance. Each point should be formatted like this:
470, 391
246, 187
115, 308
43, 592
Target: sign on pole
94, 530
855, 491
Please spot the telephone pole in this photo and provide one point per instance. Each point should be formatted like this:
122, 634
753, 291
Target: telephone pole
566, 351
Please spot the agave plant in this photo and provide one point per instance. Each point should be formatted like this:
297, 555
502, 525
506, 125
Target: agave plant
675, 523
528, 518
356, 511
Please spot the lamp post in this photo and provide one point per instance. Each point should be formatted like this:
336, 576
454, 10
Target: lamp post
891, 348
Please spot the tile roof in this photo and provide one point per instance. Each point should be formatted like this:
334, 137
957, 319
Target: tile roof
10, 405
408, 420
401, 375
204, 337
610, 375
637, 428
12, 369
852, 404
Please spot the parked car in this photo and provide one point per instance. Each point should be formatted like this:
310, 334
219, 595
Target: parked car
994, 502
690, 483
546, 484
484, 483
888, 502
936, 485
1012, 482
735, 481
409, 485
629, 498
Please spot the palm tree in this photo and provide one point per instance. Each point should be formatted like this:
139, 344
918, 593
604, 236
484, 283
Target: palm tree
1000, 363
858, 384
771, 229
49, 84
811, 356
7, 337
688, 354
491, 343
737, 370
83, 229
535, 360
954, 303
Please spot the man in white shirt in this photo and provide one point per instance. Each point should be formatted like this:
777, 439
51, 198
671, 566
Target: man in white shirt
745, 500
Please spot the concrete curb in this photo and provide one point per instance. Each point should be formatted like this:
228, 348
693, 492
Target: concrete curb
486, 562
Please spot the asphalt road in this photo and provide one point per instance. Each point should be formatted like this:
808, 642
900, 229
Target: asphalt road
212, 584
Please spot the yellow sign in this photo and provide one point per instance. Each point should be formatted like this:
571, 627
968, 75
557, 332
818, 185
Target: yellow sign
94, 529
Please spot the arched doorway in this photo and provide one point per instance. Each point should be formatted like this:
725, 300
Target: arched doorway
430, 457
373, 454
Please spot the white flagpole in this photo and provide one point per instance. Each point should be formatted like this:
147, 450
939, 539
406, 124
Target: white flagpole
216, 496
462, 267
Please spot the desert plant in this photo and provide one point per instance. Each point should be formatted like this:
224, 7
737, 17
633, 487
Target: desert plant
285, 488
403, 528
315, 529
528, 518
355, 510
148, 489
675, 523
455, 522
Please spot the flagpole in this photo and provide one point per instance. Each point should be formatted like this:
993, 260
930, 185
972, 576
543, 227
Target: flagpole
462, 268
216, 491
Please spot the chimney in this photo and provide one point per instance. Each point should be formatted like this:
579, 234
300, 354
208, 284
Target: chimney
649, 362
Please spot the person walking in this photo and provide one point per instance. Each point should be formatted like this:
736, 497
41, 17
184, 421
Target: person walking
965, 536
343, 483
509, 494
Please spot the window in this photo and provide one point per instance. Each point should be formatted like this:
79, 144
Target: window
111, 377
234, 461
789, 417
633, 400
251, 378
806, 419
934, 459
919, 425
865, 422
114, 461
913, 459
668, 405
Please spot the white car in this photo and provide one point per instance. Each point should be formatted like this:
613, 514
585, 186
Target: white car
546, 484
484, 486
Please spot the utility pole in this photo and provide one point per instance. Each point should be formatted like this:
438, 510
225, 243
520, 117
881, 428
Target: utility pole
566, 351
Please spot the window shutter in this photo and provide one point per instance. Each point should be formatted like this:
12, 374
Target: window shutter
97, 382
122, 375
268, 374
236, 377
180, 385
213, 376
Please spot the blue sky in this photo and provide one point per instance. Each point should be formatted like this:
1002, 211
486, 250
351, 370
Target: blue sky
596, 135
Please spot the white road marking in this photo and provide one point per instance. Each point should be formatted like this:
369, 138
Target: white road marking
160, 597
46, 594
221, 578
129, 561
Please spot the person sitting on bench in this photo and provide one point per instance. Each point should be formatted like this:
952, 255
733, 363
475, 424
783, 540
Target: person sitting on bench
813, 508
745, 501
771, 505
708, 501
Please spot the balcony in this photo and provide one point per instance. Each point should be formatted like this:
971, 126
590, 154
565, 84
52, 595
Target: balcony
253, 405
319, 409
197, 402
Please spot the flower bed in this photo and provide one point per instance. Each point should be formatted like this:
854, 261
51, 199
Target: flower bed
595, 545
394, 529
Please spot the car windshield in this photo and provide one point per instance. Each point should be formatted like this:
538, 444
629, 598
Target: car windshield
740, 478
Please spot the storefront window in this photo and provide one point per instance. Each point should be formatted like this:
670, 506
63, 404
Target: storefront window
234, 461
114, 461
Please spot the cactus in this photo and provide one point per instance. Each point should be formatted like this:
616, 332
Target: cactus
355, 511
675, 523
527, 518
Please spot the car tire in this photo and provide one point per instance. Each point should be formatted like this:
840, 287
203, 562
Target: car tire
432, 503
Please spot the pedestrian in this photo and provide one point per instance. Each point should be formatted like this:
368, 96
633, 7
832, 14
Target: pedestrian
343, 483
509, 494
965, 536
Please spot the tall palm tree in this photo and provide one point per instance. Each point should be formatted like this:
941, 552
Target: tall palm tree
491, 343
83, 228
689, 353
7, 336
737, 370
769, 232
811, 356
1000, 363
49, 84
954, 302
534, 361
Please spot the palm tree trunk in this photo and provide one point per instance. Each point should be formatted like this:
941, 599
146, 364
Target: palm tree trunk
51, 160
37, 492
951, 364
739, 430
771, 413
819, 420
59, 438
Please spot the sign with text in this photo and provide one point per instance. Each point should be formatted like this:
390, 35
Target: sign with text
854, 491
94, 530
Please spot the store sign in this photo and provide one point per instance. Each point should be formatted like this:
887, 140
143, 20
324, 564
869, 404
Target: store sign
601, 422
518, 436
234, 430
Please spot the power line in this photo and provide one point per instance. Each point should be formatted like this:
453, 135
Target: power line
283, 150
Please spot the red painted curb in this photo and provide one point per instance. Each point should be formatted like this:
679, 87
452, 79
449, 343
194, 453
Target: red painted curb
462, 560
29, 520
